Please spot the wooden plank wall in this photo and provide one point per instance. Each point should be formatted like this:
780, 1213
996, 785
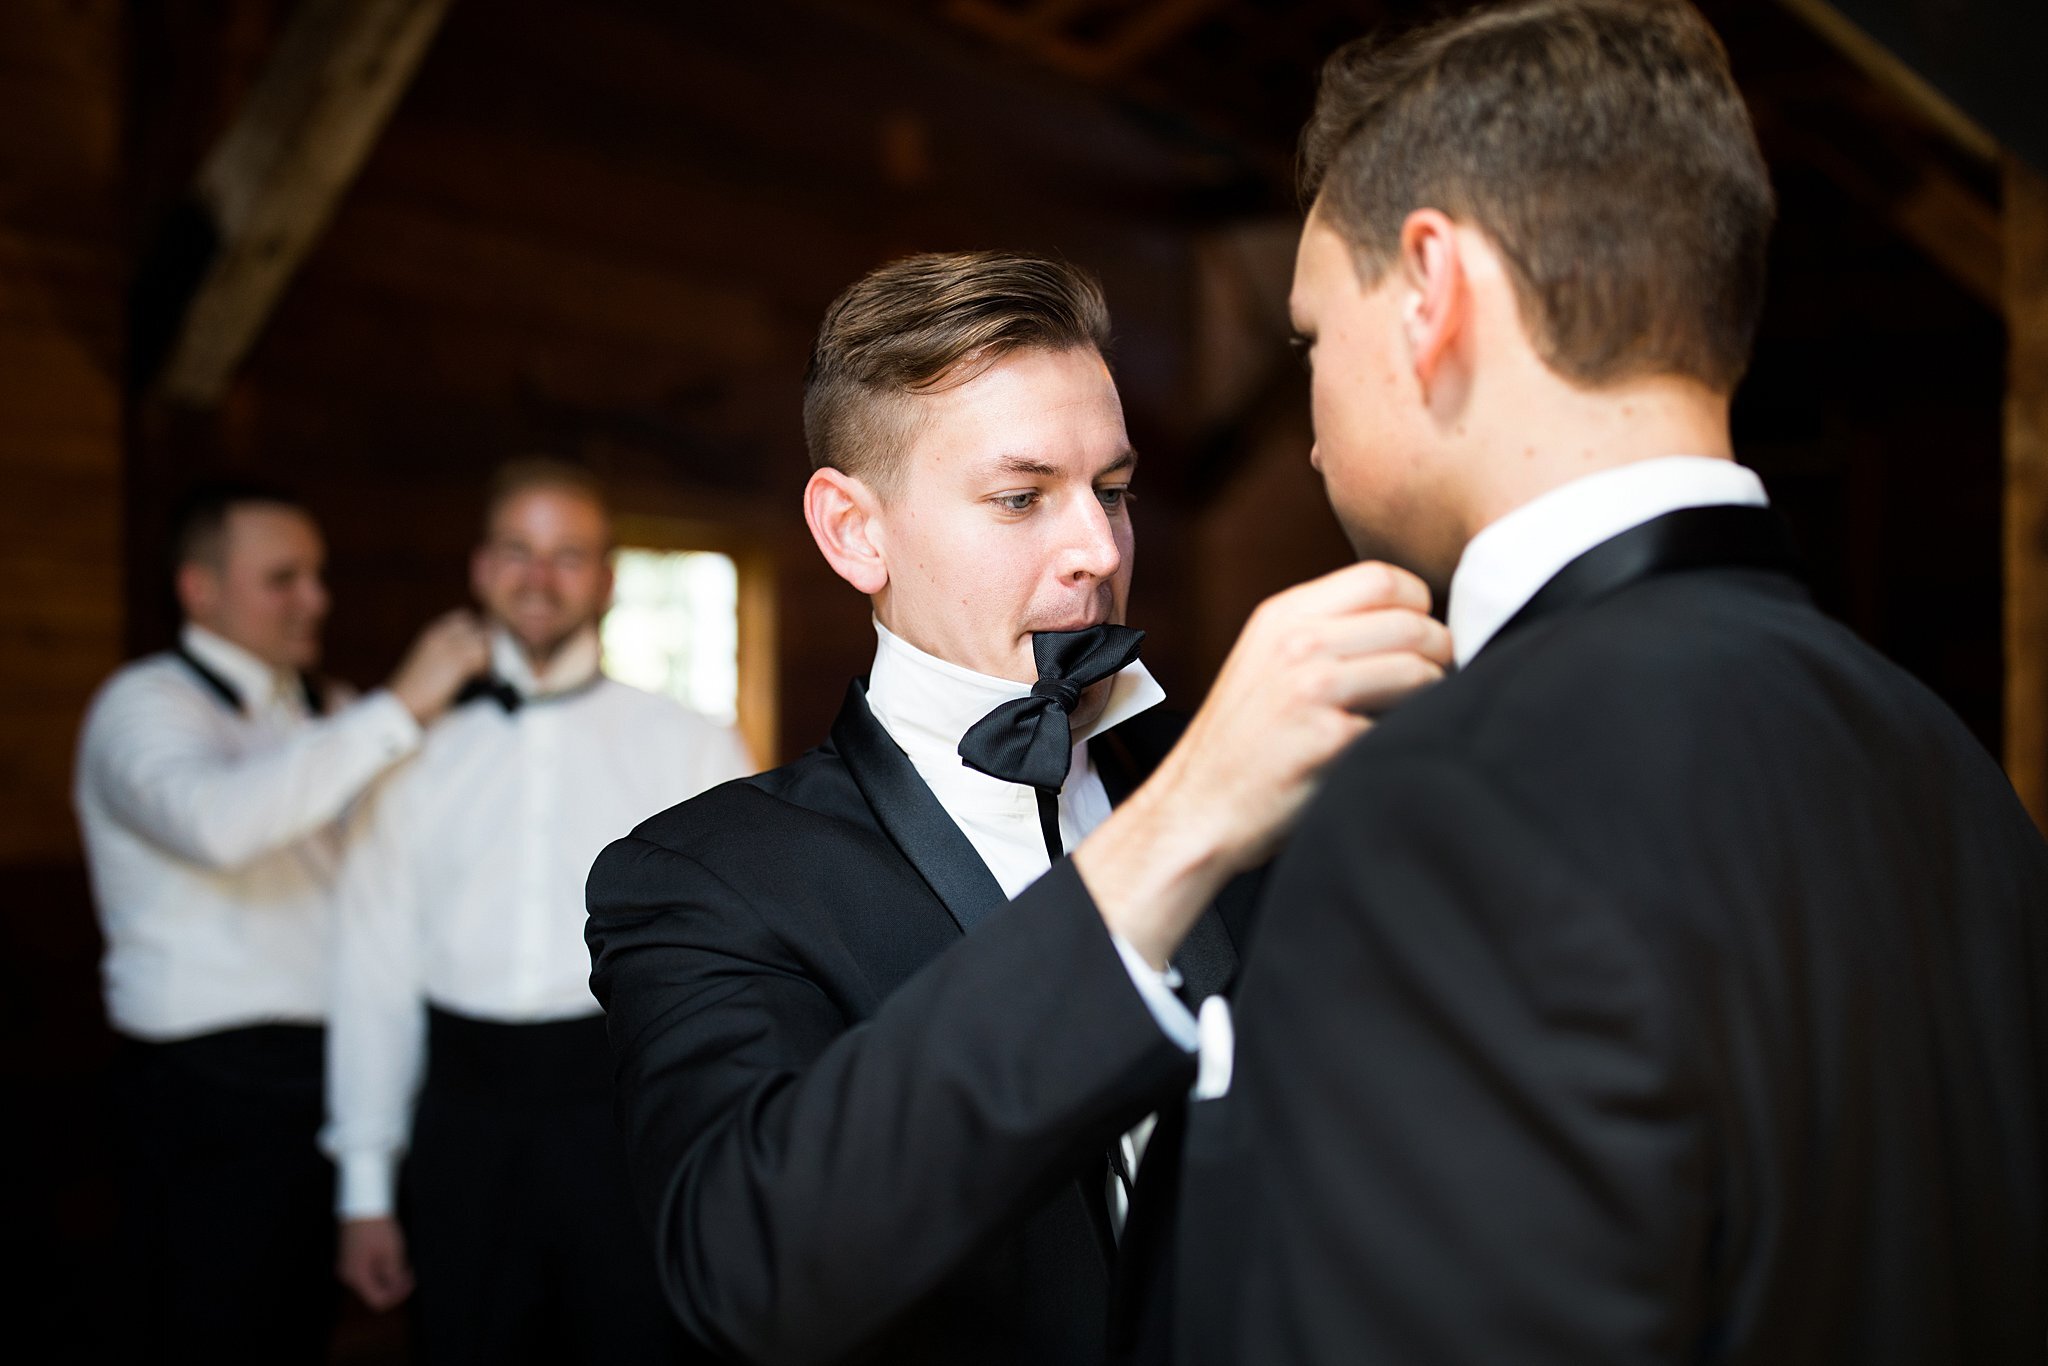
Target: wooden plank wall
61, 276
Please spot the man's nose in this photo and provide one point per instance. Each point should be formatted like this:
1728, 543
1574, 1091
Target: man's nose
1092, 552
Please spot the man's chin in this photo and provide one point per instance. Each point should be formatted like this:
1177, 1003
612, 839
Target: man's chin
543, 643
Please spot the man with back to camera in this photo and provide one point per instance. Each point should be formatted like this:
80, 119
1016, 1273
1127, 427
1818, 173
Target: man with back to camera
1666, 986
466, 1044
209, 784
883, 1070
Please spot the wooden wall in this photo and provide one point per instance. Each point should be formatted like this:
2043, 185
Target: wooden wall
60, 403
62, 272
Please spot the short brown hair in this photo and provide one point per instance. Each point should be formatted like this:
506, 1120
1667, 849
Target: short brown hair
1602, 146
526, 473
200, 523
924, 324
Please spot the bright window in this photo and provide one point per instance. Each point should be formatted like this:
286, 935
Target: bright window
674, 627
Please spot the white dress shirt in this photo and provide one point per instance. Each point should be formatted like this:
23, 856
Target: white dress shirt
464, 889
1507, 562
926, 704
211, 836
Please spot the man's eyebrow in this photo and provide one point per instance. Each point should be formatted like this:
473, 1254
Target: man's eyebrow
1018, 464
1127, 460
1039, 469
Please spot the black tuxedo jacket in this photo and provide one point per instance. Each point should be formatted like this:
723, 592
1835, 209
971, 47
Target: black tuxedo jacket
867, 1101
1669, 985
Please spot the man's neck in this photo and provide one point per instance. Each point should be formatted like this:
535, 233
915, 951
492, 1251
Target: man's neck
555, 666
1560, 433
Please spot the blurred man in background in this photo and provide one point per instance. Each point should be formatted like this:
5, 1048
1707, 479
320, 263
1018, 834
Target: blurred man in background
462, 979
209, 784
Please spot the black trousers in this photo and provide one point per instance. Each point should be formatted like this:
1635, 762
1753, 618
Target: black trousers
226, 1216
515, 1204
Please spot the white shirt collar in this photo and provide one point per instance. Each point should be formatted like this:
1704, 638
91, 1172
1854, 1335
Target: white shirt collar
254, 681
1508, 561
927, 703
574, 665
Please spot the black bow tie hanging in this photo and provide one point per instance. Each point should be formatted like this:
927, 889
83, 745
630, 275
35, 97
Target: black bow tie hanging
493, 687
1030, 740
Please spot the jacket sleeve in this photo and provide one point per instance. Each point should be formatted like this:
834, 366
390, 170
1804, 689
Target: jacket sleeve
810, 1178
148, 757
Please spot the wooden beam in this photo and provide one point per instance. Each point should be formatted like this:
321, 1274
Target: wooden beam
1041, 31
1878, 62
277, 175
1953, 225
2026, 487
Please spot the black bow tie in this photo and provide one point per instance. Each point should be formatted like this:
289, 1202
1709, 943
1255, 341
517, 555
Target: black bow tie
493, 687
1030, 740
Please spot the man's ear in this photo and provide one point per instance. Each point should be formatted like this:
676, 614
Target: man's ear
841, 511
477, 558
1436, 303
198, 589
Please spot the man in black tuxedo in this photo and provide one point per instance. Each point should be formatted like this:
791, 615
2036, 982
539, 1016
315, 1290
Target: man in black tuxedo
884, 1070
1667, 985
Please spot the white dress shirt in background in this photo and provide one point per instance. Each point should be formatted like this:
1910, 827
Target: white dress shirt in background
211, 840
464, 887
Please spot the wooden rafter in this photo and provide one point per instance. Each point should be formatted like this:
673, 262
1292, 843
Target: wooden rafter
1954, 226
2026, 487
1878, 62
1044, 28
273, 182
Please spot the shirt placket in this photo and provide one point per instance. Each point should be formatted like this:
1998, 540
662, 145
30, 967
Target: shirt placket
540, 744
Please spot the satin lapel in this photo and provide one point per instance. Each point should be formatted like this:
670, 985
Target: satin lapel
911, 816
1728, 537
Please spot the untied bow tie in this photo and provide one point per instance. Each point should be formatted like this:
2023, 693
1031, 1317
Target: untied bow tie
1031, 740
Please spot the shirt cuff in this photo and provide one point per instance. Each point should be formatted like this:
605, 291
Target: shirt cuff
365, 1186
1156, 988
394, 731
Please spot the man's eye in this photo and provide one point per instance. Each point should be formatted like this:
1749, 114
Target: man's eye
1304, 351
1015, 502
1115, 496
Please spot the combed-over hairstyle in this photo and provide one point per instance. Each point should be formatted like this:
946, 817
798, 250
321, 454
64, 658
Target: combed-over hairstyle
1601, 145
924, 324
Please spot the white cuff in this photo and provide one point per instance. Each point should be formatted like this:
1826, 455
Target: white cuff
1156, 987
365, 1186
394, 732
1219, 1051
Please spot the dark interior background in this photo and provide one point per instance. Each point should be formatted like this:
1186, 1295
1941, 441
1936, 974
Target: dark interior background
606, 230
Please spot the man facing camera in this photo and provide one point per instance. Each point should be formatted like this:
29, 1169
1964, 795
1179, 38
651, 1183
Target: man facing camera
210, 787
884, 1070
470, 1111
1668, 984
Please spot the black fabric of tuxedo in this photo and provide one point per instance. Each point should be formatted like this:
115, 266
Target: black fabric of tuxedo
1667, 985
516, 1210
865, 1097
226, 1210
